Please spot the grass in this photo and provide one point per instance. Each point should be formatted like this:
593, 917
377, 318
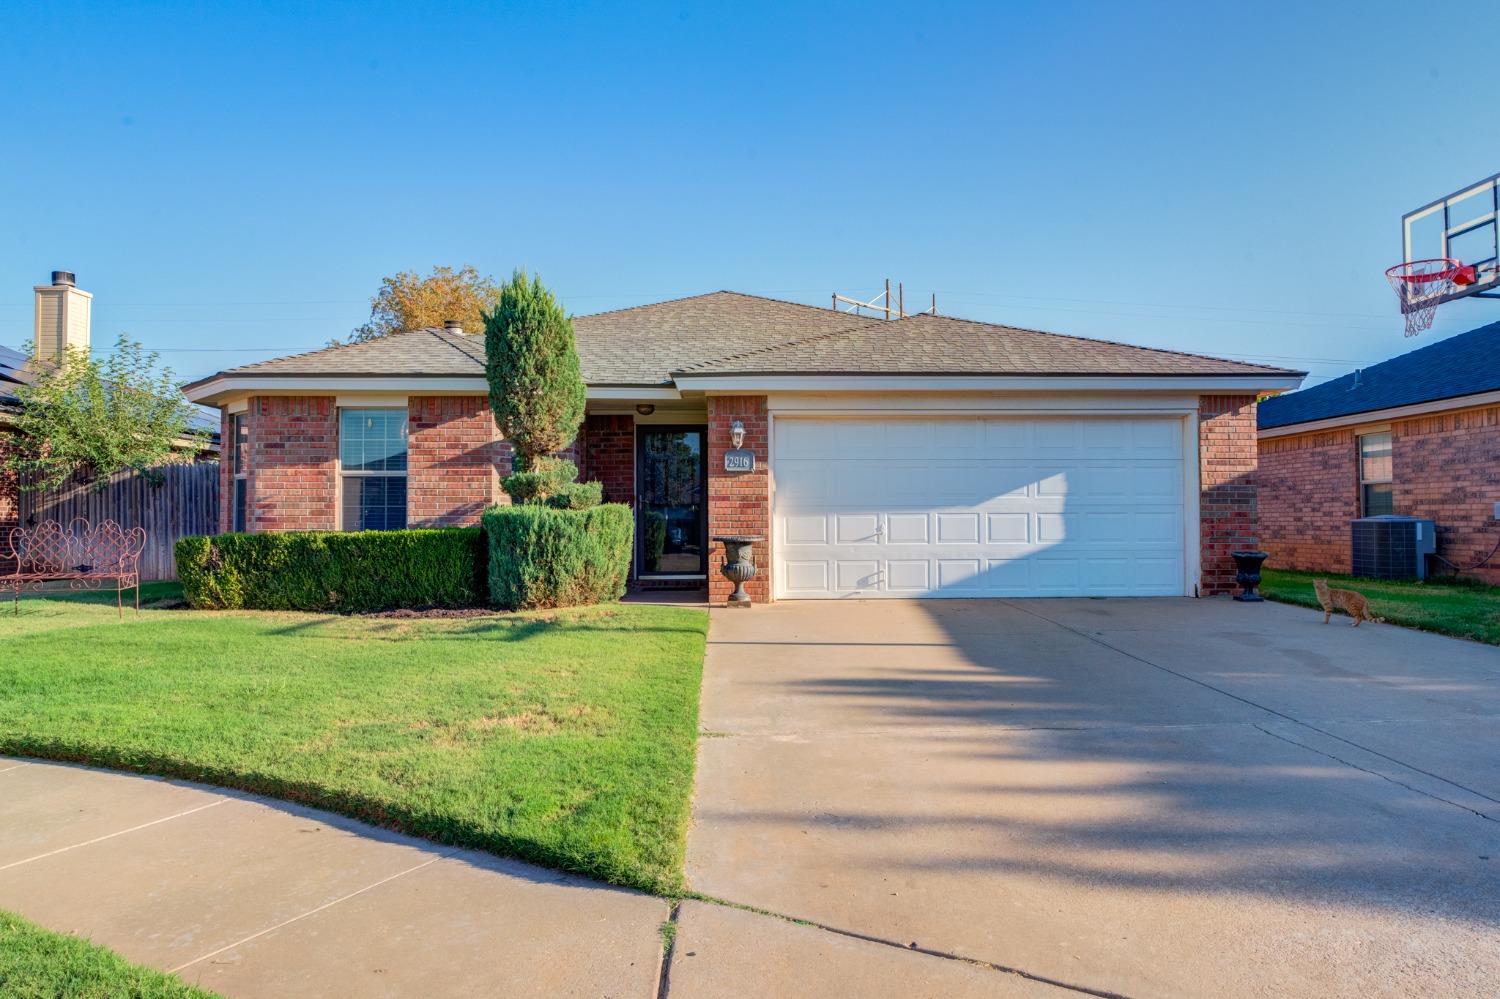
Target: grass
565, 738
39, 964
1459, 608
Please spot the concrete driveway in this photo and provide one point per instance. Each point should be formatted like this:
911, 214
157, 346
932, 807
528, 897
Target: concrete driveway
1144, 797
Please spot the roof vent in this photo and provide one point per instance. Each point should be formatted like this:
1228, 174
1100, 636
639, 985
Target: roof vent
63, 279
453, 325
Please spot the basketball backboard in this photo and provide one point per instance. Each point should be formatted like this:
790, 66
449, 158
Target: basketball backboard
1464, 226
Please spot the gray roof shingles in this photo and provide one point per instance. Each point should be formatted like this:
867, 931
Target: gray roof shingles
926, 344
1461, 365
727, 332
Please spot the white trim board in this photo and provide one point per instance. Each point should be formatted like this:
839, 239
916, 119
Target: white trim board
766, 384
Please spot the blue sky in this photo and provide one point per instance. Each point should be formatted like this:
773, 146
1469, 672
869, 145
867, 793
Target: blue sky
232, 183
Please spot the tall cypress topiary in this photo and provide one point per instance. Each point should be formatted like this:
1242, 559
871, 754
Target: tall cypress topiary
536, 390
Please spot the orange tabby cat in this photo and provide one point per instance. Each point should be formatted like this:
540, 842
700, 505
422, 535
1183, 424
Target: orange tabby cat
1354, 604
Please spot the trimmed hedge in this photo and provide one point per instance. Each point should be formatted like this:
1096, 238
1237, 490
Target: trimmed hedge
348, 573
543, 557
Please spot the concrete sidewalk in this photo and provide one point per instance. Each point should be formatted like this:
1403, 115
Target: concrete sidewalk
257, 898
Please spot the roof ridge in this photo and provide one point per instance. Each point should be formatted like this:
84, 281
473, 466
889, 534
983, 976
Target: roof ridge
794, 342
1095, 339
706, 294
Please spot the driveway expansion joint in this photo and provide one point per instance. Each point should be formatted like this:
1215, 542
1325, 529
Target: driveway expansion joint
1376, 773
911, 948
1269, 710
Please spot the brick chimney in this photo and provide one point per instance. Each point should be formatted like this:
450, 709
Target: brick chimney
62, 317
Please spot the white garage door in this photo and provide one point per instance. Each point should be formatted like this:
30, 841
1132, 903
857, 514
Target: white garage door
979, 506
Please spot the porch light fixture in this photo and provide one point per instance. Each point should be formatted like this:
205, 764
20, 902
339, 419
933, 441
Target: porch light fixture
737, 434
645, 408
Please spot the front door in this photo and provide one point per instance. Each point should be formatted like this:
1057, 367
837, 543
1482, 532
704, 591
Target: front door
671, 520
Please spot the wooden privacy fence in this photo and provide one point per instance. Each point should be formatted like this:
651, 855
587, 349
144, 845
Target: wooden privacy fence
185, 501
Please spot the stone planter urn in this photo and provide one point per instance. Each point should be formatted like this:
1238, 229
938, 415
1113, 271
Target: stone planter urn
1247, 574
738, 567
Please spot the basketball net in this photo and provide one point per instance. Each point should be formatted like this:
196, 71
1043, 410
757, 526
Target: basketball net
1422, 285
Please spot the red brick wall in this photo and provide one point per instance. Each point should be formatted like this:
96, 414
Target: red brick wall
738, 502
1447, 467
226, 474
1226, 468
1309, 491
455, 460
293, 457
607, 455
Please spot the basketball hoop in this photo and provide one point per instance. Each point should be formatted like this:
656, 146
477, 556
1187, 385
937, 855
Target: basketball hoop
1422, 285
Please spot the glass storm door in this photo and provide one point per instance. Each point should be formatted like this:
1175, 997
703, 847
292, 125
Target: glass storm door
671, 525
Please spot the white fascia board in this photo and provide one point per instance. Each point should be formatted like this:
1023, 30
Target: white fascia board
758, 384
213, 391
1383, 415
979, 403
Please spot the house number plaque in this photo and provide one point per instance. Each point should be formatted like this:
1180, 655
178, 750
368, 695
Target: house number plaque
739, 460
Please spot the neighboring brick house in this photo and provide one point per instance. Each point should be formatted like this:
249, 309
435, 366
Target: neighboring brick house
1417, 435
921, 457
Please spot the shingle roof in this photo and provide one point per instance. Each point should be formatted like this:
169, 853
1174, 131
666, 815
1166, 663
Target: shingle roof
644, 345
1460, 365
927, 344
10, 364
728, 332
418, 353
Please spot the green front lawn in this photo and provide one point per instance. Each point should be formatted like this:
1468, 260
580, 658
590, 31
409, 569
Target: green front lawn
39, 964
1449, 608
563, 737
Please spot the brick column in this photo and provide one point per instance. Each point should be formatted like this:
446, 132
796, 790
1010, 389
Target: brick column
1227, 512
226, 473
739, 502
454, 460
293, 458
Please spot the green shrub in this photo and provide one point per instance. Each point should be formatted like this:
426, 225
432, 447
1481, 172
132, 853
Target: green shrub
348, 573
577, 496
543, 557
540, 480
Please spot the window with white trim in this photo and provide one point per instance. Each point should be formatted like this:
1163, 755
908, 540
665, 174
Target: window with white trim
372, 468
239, 442
1375, 497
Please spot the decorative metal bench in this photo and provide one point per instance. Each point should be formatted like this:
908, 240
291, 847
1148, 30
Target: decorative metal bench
83, 556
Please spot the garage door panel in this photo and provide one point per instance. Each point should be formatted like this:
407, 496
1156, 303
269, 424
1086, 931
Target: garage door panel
909, 577
907, 529
805, 577
856, 528
1008, 528
989, 506
809, 529
957, 528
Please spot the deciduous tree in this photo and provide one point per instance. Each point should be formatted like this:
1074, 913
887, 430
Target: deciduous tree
411, 301
97, 417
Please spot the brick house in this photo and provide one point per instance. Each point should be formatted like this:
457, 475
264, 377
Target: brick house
920, 457
1416, 435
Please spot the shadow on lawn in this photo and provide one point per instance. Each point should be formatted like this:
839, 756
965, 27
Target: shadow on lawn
1097, 768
